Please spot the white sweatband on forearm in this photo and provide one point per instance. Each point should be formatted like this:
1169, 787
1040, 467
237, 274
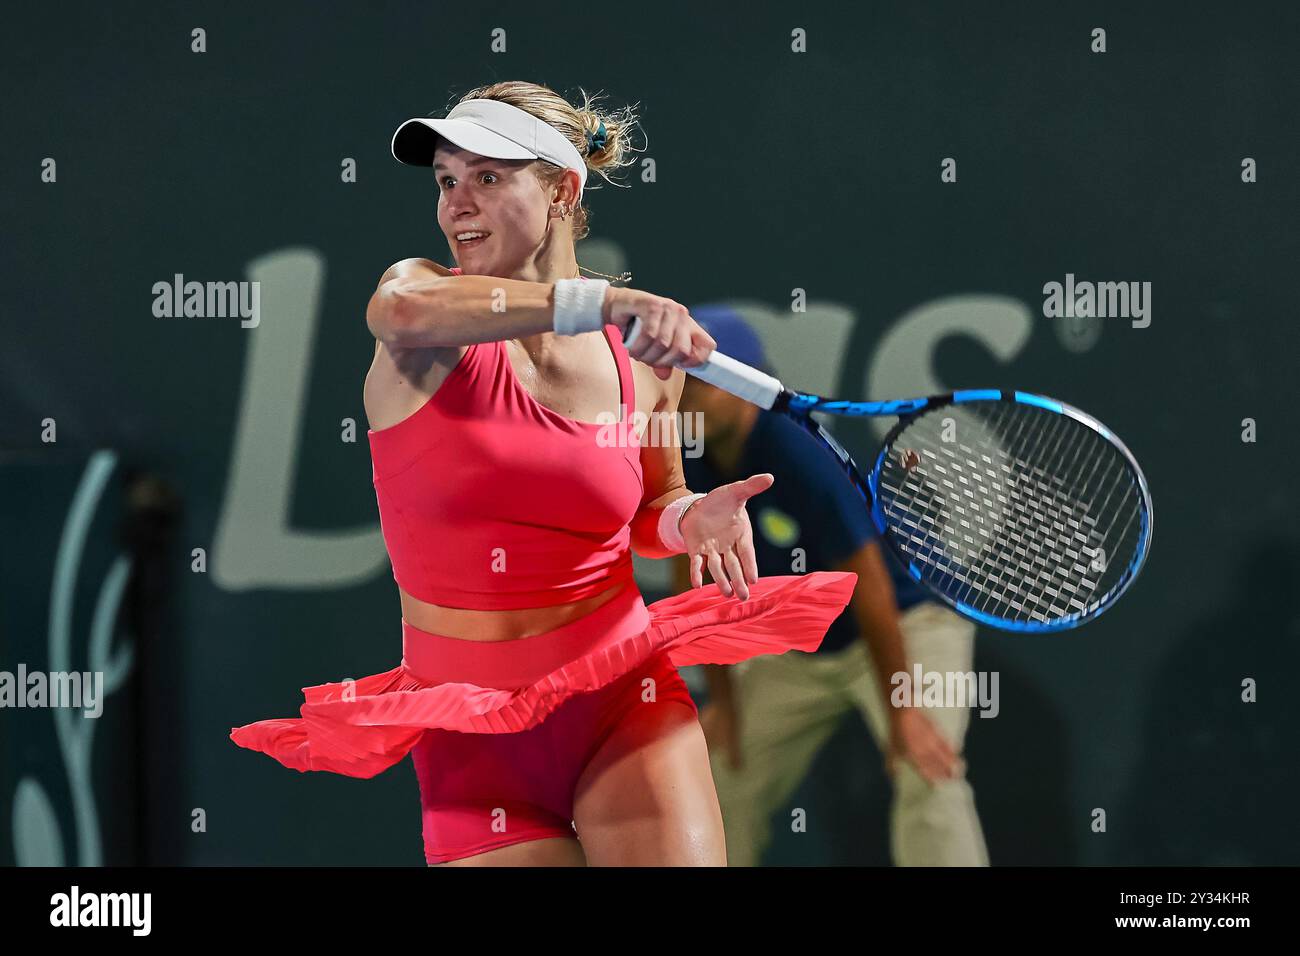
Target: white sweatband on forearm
579, 305
670, 522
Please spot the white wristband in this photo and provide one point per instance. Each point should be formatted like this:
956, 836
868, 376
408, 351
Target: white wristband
579, 305
670, 522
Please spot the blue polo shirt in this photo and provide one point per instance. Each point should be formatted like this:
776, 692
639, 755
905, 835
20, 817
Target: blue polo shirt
812, 505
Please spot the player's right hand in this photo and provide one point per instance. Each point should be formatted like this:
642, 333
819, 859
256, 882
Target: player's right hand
669, 336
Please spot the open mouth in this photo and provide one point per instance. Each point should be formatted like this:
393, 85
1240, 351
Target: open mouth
473, 243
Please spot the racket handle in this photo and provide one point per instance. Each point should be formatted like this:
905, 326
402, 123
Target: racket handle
726, 373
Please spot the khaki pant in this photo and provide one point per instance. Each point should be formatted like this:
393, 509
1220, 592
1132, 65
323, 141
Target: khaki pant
790, 704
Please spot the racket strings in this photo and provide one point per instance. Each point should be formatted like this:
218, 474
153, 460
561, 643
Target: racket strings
1031, 500
1016, 511
1050, 587
1014, 542
988, 579
998, 546
1050, 492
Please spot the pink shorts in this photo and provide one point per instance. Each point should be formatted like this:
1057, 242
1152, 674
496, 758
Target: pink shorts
501, 731
479, 792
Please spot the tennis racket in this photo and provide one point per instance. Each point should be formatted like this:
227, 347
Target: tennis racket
1018, 511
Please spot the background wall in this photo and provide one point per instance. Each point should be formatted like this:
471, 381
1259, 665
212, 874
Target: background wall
772, 171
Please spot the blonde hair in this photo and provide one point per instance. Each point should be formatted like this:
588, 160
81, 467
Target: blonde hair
574, 123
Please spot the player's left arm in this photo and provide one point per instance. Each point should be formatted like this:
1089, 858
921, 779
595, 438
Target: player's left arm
661, 467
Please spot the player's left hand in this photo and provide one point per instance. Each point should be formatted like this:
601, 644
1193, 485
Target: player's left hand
717, 532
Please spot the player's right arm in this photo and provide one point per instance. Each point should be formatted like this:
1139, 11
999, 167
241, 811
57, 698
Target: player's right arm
421, 304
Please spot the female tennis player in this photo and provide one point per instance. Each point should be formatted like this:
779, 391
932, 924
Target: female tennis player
538, 694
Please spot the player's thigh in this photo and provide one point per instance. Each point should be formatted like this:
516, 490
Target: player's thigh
647, 797
548, 851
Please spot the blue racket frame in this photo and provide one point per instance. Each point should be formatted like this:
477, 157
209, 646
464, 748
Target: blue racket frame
799, 406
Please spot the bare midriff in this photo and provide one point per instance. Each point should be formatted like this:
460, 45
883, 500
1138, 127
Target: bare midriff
505, 625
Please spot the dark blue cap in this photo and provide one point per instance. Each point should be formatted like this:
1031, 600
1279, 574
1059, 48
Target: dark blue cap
735, 336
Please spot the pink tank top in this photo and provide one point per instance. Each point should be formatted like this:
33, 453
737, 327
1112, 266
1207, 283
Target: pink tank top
489, 500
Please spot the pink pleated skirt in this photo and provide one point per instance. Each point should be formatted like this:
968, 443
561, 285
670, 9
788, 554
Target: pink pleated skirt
361, 728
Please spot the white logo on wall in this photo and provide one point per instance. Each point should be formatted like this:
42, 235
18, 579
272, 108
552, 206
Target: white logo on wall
37, 833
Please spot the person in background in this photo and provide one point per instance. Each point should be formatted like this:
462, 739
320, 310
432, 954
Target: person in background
767, 717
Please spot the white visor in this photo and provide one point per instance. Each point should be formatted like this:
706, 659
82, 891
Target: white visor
488, 128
